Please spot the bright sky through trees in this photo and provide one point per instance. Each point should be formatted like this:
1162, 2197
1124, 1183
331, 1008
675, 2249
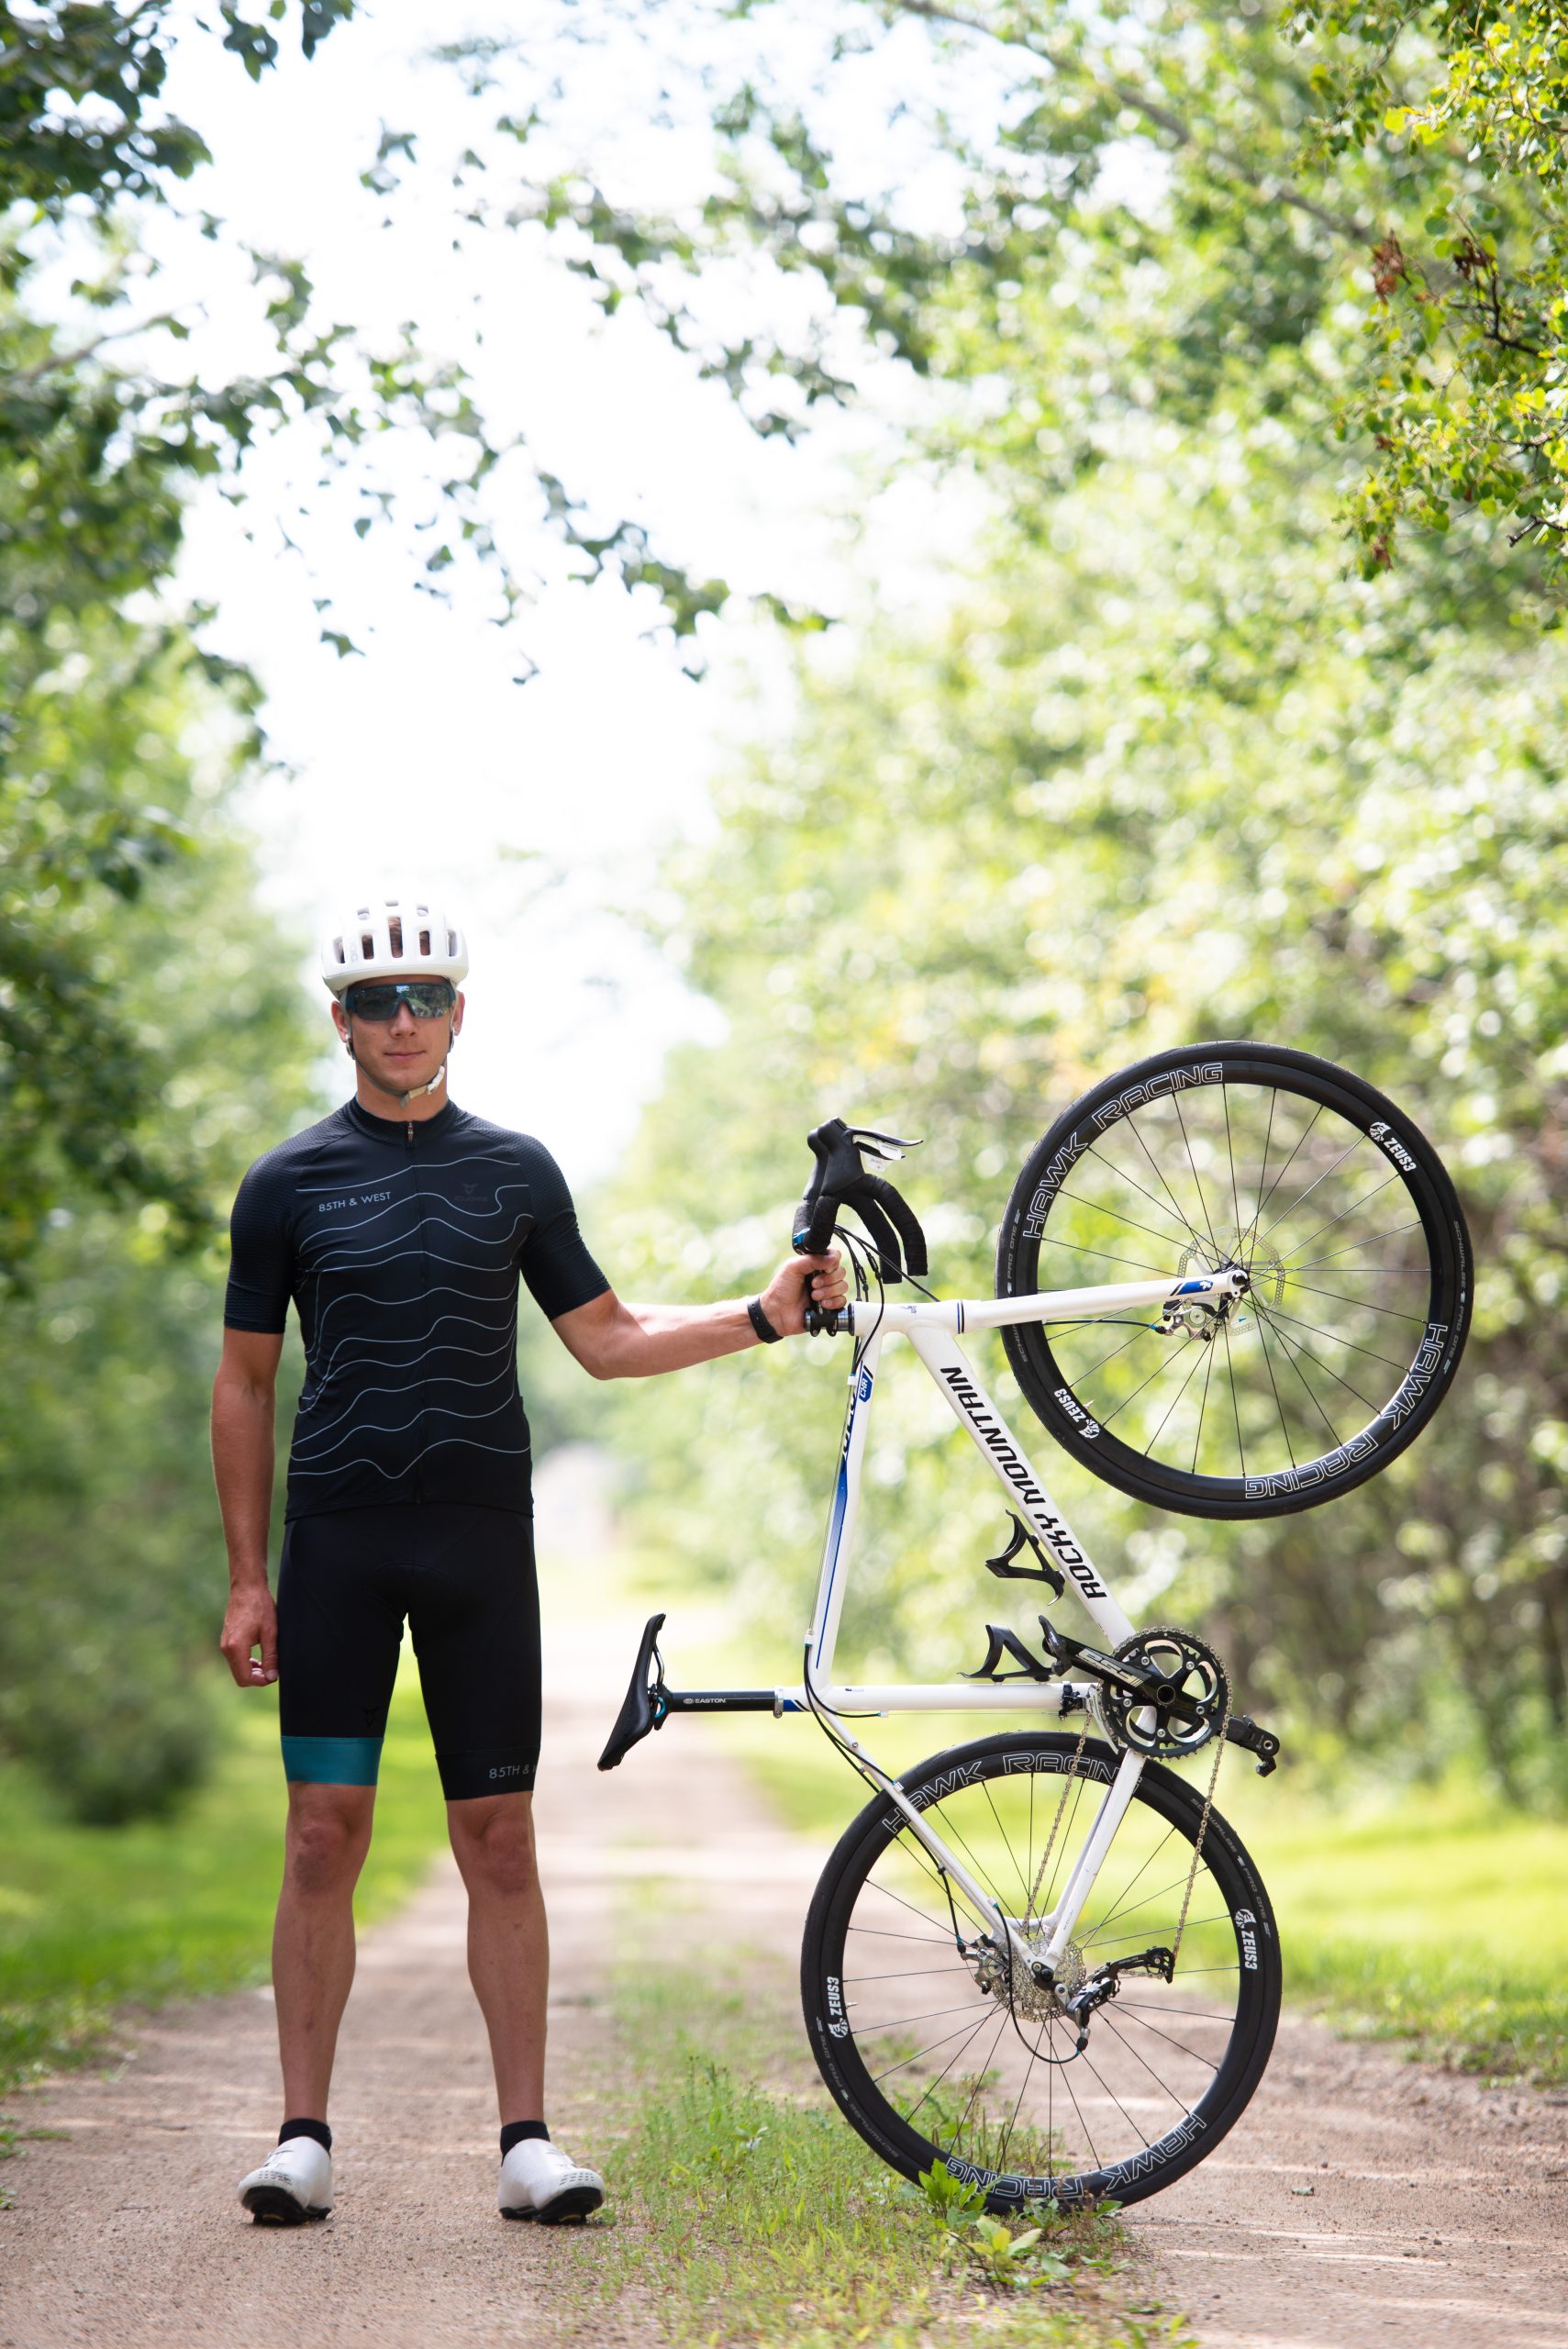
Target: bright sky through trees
423, 755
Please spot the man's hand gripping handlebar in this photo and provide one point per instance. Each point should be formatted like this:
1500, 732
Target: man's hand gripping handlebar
840, 1179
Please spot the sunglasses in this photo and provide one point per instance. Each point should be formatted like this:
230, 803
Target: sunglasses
381, 1000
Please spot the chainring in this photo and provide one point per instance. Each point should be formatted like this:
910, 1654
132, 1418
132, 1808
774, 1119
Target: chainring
1184, 1710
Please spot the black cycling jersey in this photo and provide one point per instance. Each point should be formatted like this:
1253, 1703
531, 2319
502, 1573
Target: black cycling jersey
400, 1242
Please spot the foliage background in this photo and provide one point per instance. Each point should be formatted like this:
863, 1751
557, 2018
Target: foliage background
1247, 714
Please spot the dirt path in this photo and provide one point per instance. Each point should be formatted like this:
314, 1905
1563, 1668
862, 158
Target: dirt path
1438, 2214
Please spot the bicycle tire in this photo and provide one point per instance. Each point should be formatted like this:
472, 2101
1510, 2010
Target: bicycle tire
1173, 1166
1030, 1771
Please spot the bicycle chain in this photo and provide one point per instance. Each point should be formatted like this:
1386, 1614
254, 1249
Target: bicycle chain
1202, 1830
1068, 1784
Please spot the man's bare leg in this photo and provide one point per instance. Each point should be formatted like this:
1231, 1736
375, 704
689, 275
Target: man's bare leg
313, 1940
509, 1942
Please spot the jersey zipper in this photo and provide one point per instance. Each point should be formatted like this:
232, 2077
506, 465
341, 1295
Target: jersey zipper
424, 1391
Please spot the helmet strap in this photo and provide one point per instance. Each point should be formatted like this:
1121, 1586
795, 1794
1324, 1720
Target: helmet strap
415, 1092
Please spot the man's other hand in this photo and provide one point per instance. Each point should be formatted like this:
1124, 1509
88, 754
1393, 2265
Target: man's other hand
801, 1281
252, 1622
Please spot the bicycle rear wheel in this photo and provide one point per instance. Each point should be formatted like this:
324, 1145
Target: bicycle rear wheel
1340, 1213
934, 2049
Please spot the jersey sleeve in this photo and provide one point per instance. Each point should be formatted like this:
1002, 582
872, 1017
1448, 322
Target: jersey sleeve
261, 1260
554, 1259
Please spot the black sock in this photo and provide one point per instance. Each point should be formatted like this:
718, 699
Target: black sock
517, 2132
316, 2129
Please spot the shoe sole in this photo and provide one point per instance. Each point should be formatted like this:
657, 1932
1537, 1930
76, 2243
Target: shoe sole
273, 2206
575, 2203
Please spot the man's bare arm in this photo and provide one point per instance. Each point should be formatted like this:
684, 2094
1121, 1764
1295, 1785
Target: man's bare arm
243, 1397
612, 1340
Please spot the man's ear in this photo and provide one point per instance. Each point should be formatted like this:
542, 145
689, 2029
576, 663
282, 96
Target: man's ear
340, 1021
457, 1014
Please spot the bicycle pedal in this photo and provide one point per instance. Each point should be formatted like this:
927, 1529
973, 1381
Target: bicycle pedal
1243, 1731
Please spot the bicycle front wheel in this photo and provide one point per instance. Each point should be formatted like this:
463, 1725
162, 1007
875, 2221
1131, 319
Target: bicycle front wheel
1339, 1212
938, 2046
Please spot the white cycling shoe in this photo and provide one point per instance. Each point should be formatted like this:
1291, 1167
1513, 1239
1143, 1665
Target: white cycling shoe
538, 2181
294, 2183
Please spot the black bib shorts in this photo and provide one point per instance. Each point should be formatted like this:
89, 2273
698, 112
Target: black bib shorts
464, 1580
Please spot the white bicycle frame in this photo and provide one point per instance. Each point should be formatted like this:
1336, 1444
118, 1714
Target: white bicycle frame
933, 1329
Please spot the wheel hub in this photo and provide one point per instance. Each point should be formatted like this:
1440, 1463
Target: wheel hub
1021, 1980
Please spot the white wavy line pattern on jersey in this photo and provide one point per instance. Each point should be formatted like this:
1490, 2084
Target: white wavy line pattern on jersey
406, 1467
309, 1458
333, 1232
401, 1426
420, 1166
408, 1383
322, 1378
402, 1303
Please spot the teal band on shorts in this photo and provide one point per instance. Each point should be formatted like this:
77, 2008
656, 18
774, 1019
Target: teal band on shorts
332, 1761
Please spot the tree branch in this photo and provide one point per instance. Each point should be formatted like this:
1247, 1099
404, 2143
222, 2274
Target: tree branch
59, 359
1344, 226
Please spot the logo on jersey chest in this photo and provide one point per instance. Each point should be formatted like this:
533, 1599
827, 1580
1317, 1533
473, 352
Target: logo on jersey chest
353, 1199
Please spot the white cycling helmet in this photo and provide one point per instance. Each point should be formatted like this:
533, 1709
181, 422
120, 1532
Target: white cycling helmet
388, 937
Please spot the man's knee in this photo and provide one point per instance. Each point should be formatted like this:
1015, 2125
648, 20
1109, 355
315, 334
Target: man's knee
494, 1840
329, 1834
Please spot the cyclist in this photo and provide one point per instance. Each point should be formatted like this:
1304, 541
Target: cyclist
398, 1227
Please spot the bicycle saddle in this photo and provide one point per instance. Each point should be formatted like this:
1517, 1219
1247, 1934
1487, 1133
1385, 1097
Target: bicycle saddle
643, 1708
842, 1179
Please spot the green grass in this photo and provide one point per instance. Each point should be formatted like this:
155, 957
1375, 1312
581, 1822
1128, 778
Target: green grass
747, 2211
92, 1918
1428, 1914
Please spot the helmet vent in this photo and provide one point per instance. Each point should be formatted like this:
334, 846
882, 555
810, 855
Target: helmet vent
367, 945
338, 954
394, 931
424, 941
452, 942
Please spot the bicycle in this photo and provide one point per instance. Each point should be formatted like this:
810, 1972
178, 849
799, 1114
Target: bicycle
1044, 1958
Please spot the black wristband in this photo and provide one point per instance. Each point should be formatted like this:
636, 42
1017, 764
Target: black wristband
761, 1323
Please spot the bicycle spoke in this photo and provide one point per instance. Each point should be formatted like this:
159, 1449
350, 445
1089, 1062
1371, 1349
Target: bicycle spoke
1376, 1191
1288, 1342
905, 2061
955, 2057
1130, 1222
1389, 1312
1332, 1169
1277, 1313
1350, 1248
1165, 2035
1197, 1178
1203, 1402
1180, 1392
1235, 1404
1273, 1383
1301, 1378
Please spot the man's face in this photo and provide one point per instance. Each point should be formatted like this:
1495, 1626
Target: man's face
402, 1053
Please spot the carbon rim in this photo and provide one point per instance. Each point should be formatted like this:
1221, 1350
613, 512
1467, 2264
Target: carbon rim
1340, 1214
929, 2059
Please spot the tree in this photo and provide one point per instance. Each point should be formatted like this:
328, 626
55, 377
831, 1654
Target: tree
192, 1051
1376, 186
102, 441
1164, 774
